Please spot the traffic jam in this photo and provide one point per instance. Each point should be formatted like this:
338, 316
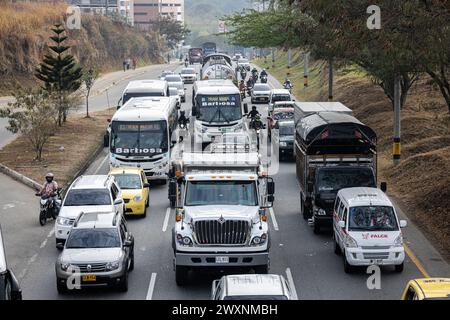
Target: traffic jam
216, 156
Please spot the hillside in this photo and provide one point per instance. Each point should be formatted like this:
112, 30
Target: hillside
24, 32
202, 16
421, 182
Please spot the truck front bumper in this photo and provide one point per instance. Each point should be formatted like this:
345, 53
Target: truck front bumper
235, 259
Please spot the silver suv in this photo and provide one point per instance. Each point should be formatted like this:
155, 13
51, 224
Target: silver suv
98, 252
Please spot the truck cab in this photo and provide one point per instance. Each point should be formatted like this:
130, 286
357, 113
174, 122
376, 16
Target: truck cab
221, 201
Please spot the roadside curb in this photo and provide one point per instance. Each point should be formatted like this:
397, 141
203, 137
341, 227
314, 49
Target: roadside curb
20, 177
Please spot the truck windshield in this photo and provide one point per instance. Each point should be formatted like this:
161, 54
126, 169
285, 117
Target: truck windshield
219, 108
201, 193
339, 178
93, 238
139, 138
372, 218
128, 95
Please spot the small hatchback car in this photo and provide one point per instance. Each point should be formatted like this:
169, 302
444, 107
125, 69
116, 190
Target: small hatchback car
98, 252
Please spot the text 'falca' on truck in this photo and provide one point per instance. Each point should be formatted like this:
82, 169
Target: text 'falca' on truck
222, 203
333, 151
141, 134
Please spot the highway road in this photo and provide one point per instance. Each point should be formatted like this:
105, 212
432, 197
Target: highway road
305, 259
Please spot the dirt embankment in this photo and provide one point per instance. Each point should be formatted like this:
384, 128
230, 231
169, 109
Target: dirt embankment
422, 181
25, 29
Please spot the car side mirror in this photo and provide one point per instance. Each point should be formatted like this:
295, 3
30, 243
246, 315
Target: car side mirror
146, 185
127, 243
118, 201
403, 223
341, 224
383, 186
172, 189
245, 108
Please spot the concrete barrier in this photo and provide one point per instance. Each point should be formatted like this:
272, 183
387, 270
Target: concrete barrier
20, 177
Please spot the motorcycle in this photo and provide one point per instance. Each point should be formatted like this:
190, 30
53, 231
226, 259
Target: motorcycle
263, 79
255, 77
257, 125
49, 207
186, 63
183, 130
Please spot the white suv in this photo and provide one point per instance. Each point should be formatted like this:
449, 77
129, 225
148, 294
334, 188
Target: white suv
96, 193
367, 229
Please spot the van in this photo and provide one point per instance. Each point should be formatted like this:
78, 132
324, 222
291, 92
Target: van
9, 286
144, 88
366, 229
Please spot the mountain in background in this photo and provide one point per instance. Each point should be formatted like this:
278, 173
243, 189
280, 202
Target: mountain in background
202, 17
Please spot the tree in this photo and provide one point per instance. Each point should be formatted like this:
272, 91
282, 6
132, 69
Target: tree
173, 31
31, 115
89, 78
59, 71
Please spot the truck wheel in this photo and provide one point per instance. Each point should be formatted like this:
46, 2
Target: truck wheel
399, 267
347, 267
181, 275
264, 269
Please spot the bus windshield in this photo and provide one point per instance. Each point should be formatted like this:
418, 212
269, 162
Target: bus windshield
139, 138
219, 108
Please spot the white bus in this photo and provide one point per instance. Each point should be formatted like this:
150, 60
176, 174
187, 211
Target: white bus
144, 88
141, 135
217, 109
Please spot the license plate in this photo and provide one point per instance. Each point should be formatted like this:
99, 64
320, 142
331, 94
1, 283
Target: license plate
224, 129
222, 260
89, 278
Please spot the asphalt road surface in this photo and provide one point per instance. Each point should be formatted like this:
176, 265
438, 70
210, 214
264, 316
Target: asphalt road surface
305, 259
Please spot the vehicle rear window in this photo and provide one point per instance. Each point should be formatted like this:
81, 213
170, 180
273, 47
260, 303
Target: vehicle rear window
171, 78
261, 87
88, 197
281, 97
187, 71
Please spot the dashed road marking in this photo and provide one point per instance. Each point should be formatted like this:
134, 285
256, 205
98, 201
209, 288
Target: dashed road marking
291, 284
274, 219
151, 286
166, 220
101, 164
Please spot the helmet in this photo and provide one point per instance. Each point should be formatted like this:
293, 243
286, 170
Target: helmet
254, 108
49, 177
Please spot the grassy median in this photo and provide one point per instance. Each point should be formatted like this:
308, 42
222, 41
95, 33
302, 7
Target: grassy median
421, 182
66, 152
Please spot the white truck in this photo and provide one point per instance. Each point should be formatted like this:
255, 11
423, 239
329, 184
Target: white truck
222, 203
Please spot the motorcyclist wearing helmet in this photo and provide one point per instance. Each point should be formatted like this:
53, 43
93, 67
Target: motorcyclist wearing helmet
182, 119
250, 83
50, 187
287, 83
263, 73
253, 113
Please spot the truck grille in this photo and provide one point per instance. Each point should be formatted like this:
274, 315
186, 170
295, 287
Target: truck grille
94, 267
221, 232
376, 255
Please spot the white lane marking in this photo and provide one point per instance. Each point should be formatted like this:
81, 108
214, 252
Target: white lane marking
151, 286
101, 164
50, 234
8, 206
166, 220
291, 284
44, 243
274, 220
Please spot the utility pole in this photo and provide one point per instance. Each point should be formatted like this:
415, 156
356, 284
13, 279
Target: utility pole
396, 146
330, 79
305, 70
106, 7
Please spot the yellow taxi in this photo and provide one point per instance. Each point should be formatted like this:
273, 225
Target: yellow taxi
135, 189
427, 289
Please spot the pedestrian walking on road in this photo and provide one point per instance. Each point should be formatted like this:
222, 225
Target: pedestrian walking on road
134, 63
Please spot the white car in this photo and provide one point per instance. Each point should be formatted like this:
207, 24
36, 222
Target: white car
251, 287
244, 63
260, 93
165, 73
173, 92
94, 193
175, 80
188, 75
366, 229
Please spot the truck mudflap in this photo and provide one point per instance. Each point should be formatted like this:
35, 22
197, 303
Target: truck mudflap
223, 260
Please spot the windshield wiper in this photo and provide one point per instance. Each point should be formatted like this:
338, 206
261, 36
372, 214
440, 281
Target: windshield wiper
223, 116
214, 115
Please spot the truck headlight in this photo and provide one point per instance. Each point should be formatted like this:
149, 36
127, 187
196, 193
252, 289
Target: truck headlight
184, 241
112, 265
398, 241
63, 221
321, 212
350, 242
283, 144
137, 198
258, 241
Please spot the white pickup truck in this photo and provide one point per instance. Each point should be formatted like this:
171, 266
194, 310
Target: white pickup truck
222, 203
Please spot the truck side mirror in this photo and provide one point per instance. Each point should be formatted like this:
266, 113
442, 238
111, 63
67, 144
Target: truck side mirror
270, 198
194, 111
383, 186
310, 186
172, 189
245, 108
270, 188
